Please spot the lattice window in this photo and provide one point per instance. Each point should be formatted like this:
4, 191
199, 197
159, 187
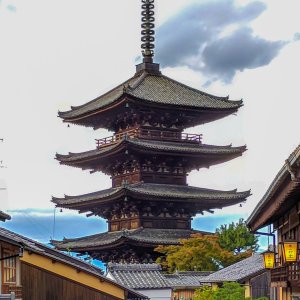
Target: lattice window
9, 268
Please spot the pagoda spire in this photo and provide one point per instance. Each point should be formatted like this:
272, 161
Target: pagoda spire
148, 30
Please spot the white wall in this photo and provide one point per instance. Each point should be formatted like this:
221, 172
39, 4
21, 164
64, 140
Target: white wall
157, 294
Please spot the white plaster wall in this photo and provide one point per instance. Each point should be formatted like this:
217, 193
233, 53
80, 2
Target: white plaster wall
157, 294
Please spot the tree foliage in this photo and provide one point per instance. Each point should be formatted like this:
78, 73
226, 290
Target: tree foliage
198, 253
229, 291
230, 244
204, 293
237, 238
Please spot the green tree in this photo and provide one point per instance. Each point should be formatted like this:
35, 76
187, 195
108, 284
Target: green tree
198, 253
230, 291
237, 238
204, 293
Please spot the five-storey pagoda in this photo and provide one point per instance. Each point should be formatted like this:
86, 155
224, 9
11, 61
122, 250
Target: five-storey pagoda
148, 159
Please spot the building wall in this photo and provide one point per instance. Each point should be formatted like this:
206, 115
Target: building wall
157, 294
260, 285
39, 284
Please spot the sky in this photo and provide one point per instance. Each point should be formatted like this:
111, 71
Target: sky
55, 54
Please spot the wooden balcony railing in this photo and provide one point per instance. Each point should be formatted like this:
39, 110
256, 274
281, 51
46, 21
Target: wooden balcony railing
152, 135
289, 272
279, 274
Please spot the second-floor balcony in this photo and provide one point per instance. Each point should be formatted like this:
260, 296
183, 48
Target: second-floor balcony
288, 273
151, 134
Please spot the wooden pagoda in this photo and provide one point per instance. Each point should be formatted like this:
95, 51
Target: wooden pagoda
148, 158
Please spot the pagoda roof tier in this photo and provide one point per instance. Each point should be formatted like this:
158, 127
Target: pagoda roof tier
148, 89
204, 199
207, 154
145, 237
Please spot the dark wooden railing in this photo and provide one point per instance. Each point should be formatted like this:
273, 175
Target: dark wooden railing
289, 272
150, 134
279, 274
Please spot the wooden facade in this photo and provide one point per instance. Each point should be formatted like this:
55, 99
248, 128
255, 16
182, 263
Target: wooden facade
186, 294
10, 269
40, 284
280, 207
260, 285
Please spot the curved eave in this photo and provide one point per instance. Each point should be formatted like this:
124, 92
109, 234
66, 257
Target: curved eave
122, 241
216, 154
151, 90
127, 97
202, 198
110, 240
4, 217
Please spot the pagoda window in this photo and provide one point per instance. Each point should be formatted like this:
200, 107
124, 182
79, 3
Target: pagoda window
135, 224
125, 225
114, 227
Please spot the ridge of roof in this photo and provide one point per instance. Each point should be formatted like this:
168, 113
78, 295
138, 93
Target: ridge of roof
133, 266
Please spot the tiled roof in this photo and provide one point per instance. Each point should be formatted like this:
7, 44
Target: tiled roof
286, 171
186, 279
138, 276
47, 251
55, 255
4, 216
239, 271
145, 235
169, 147
156, 89
160, 191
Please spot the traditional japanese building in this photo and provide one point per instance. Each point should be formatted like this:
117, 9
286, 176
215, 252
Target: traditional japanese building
148, 158
279, 208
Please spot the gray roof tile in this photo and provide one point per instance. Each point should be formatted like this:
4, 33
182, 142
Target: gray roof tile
147, 235
186, 279
238, 271
176, 147
138, 276
169, 191
158, 89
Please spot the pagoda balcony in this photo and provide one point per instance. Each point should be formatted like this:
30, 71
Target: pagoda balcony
158, 135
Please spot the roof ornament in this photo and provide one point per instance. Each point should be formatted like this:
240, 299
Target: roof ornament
148, 30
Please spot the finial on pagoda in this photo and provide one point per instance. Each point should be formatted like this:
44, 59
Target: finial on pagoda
148, 30
148, 39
